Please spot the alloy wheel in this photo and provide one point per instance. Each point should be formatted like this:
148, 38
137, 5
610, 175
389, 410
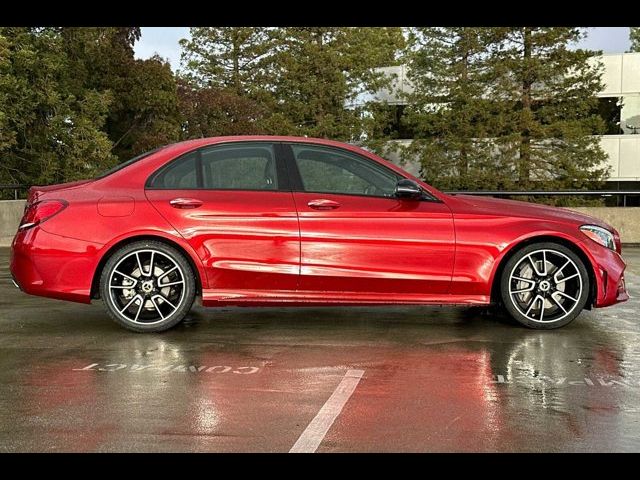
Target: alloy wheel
545, 286
146, 287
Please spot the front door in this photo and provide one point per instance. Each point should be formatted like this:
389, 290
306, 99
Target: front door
357, 237
232, 203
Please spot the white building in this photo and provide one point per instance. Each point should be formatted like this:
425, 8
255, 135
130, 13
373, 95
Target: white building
622, 80
622, 87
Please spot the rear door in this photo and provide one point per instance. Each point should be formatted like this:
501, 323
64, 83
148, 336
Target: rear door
357, 237
233, 204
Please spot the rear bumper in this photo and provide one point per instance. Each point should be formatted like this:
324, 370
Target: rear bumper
53, 266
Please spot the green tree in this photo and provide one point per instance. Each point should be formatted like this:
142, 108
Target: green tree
634, 36
99, 56
228, 58
224, 85
144, 109
449, 110
505, 108
50, 130
292, 80
322, 75
212, 111
548, 105
148, 117
7, 135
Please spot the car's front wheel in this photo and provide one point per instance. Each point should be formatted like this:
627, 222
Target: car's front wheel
544, 285
147, 286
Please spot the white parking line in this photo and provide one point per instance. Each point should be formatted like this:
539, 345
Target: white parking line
315, 432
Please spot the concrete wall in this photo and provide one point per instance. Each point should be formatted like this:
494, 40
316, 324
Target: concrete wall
626, 220
10, 215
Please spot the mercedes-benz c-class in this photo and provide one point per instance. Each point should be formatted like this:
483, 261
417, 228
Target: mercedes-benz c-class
262, 220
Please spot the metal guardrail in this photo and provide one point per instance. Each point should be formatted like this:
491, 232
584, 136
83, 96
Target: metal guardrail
16, 189
538, 193
545, 193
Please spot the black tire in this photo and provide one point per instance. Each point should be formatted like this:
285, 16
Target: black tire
549, 297
113, 300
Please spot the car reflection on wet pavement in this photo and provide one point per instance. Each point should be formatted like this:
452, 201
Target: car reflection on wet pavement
251, 379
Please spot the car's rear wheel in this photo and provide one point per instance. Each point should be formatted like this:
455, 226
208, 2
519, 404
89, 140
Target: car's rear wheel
544, 285
147, 286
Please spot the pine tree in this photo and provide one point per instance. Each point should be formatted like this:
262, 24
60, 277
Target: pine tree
50, 128
150, 114
322, 73
505, 108
224, 81
293, 80
228, 58
548, 108
449, 110
143, 113
634, 37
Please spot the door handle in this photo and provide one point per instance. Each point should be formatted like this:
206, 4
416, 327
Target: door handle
185, 203
323, 204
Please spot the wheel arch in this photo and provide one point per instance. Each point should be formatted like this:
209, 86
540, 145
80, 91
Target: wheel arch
194, 261
566, 242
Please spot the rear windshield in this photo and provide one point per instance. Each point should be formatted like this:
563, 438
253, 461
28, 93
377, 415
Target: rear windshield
120, 166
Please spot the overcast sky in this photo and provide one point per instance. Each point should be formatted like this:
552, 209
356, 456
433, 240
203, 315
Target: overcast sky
164, 41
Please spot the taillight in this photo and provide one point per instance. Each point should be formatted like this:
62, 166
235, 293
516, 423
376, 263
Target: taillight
41, 211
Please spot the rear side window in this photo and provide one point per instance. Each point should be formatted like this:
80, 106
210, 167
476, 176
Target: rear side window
179, 175
245, 166
239, 167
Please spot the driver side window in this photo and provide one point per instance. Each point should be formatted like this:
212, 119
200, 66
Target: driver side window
328, 170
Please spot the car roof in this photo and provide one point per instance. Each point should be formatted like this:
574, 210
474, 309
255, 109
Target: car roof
193, 143
152, 162
179, 148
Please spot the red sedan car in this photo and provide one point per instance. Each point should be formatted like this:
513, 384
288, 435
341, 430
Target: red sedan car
297, 221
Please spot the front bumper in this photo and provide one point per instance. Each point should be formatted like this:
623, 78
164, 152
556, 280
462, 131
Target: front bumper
609, 268
53, 266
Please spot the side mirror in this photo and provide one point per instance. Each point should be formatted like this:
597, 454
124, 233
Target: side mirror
408, 189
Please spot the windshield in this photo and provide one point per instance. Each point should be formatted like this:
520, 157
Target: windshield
120, 166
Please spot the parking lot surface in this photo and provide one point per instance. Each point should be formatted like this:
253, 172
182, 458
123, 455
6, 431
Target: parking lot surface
401, 379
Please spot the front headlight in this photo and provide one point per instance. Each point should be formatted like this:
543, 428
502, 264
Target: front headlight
600, 235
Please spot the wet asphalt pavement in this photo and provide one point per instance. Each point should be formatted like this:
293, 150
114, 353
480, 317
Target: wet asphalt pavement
252, 380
